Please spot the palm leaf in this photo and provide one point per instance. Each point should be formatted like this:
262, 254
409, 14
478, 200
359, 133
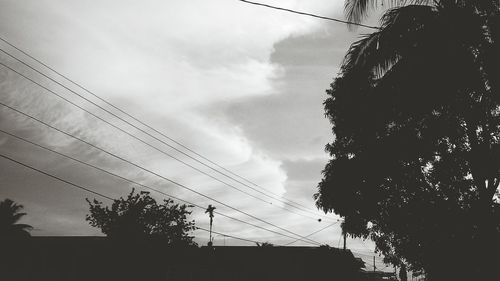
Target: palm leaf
10, 214
402, 30
357, 10
22, 226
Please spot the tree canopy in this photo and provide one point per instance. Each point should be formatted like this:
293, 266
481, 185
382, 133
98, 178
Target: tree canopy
10, 214
415, 160
264, 244
139, 216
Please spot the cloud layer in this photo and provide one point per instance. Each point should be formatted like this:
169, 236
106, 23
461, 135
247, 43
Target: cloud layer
242, 85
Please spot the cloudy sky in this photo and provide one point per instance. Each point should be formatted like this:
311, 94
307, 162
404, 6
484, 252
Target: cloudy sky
239, 84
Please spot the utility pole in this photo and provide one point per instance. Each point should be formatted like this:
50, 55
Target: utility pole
344, 233
373, 263
210, 211
345, 236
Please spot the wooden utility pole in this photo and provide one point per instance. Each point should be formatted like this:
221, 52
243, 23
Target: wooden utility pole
345, 235
210, 211
373, 263
344, 232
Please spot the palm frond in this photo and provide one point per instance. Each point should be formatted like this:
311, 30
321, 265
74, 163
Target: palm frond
357, 10
10, 214
16, 217
22, 227
402, 30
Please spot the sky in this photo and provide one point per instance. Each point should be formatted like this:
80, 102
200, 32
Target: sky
241, 85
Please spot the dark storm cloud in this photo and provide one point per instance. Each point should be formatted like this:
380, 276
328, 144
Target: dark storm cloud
290, 123
302, 178
303, 170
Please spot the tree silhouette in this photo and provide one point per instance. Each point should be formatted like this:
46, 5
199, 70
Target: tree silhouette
416, 118
264, 244
139, 216
10, 214
210, 210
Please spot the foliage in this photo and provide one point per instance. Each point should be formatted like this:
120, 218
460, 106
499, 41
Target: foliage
416, 119
10, 214
139, 216
264, 244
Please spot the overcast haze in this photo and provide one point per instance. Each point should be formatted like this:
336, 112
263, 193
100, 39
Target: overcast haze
240, 84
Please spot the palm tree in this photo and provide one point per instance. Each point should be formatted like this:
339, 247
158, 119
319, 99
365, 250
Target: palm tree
432, 67
10, 214
423, 25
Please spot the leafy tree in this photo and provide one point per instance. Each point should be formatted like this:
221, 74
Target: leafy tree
416, 119
139, 216
10, 214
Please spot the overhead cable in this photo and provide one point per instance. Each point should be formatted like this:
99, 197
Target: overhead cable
154, 173
100, 194
228, 235
137, 183
134, 118
56, 177
139, 121
315, 232
309, 14
147, 133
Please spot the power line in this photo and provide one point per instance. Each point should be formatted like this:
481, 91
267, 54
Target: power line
112, 125
367, 255
56, 177
136, 183
147, 133
139, 121
156, 174
309, 14
146, 143
231, 236
378, 258
100, 194
385, 267
317, 231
